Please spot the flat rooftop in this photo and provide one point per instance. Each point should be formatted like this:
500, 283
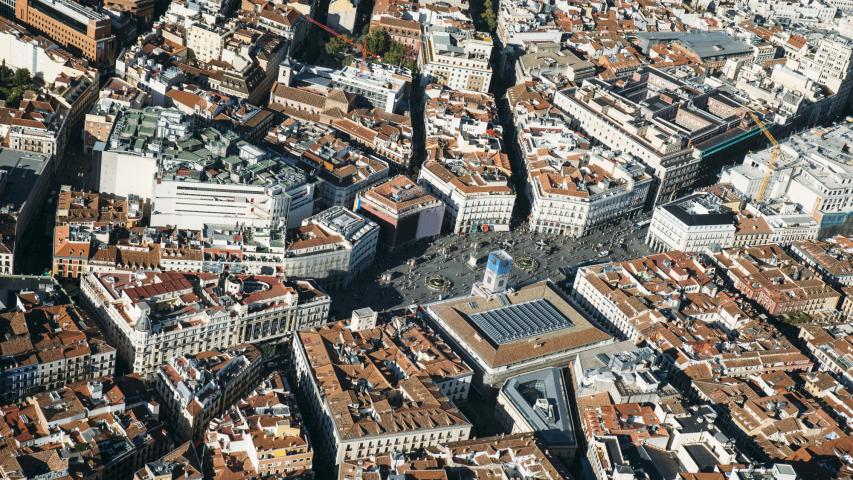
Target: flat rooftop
531, 322
700, 209
541, 398
23, 170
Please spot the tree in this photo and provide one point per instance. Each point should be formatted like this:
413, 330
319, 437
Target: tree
488, 15
378, 42
335, 46
396, 54
22, 77
15, 97
6, 74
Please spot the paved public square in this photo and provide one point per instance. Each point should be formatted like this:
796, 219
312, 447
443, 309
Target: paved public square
400, 278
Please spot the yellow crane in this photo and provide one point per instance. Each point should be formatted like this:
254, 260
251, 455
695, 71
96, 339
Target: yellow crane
774, 156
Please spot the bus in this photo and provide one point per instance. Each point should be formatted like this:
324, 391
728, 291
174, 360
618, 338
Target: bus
642, 224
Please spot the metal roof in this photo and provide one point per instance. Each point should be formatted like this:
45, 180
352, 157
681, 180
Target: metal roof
522, 320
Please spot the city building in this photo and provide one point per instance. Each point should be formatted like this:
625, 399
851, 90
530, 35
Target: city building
693, 223
709, 49
813, 172
518, 456
537, 402
20, 199
721, 217
40, 56
828, 60
308, 105
777, 282
84, 222
342, 15
769, 423
575, 200
107, 427
103, 233
404, 211
151, 317
684, 145
526, 23
79, 29
343, 170
193, 178
260, 435
503, 333
831, 346
832, 258
624, 372
255, 251
114, 96
46, 341
465, 166
142, 11
627, 440
183, 462
387, 135
551, 63
377, 389
401, 30
333, 247
151, 67
196, 388
457, 58
597, 288
378, 85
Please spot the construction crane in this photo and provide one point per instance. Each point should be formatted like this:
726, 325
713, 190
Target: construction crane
361, 46
774, 157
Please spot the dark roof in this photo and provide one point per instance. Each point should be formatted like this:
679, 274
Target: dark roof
678, 210
524, 390
657, 464
521, 320
705, 460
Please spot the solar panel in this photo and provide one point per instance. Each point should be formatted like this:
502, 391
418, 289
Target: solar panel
514, 322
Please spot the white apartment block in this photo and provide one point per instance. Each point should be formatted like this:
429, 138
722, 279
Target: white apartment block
704, 220
256, 192
206, 41
382, 86
691, 224
360, 233
457, 58
152, 317
521, 23
331, 247
124, 304
813, 172
573, 201
478, 197
126, 169
195, 205
313, 252
827, 60
156, 154
19, 49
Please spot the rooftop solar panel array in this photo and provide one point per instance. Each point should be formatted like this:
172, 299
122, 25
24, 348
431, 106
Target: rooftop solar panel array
510, 323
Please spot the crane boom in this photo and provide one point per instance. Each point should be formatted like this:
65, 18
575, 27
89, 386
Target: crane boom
774, 157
